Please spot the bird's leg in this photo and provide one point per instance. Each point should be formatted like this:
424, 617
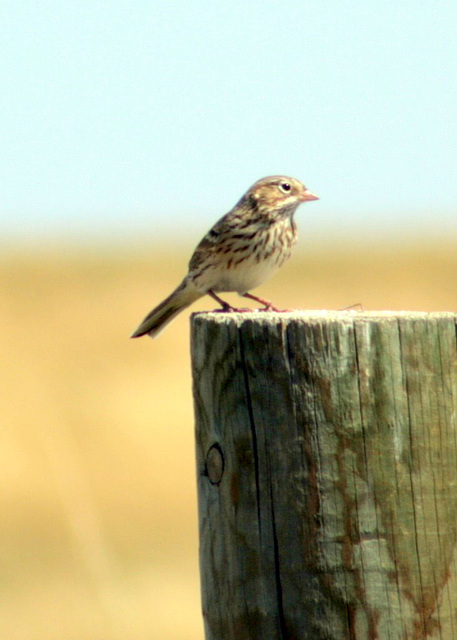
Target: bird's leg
268, 306
225, 305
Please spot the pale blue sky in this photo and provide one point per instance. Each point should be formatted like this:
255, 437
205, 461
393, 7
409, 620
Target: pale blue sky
133, 119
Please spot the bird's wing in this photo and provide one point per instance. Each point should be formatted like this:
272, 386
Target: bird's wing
208, 244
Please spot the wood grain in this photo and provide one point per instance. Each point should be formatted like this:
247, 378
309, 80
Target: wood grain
327, 474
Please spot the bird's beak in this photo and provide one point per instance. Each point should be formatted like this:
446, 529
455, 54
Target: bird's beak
308, 195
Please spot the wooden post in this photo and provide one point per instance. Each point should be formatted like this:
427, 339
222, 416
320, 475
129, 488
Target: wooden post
327, 475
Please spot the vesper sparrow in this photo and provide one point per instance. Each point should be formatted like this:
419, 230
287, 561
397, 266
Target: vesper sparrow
244, 248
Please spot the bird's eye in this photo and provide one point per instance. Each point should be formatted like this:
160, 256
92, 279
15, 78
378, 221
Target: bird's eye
285, 186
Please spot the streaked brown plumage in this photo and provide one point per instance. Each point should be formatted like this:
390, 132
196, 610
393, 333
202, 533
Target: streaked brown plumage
242, 250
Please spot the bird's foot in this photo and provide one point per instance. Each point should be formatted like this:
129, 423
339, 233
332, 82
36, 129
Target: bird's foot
227, 308
270, 307
267, 305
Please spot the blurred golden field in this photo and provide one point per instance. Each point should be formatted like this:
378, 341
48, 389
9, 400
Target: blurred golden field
99, 520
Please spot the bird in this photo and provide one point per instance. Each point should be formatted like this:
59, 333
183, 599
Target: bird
242, 250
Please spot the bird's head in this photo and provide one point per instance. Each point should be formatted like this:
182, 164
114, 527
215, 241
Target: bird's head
279, 195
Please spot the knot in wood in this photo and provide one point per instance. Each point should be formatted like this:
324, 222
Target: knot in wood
214, 464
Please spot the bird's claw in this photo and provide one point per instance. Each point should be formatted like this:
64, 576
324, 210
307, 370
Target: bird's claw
270, 307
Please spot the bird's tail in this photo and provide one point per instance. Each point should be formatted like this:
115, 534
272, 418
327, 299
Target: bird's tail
167, 310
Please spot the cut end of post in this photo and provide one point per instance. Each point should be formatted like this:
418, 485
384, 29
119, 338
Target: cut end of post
314, 315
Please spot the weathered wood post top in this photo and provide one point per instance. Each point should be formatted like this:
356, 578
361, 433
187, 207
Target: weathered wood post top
327, 474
